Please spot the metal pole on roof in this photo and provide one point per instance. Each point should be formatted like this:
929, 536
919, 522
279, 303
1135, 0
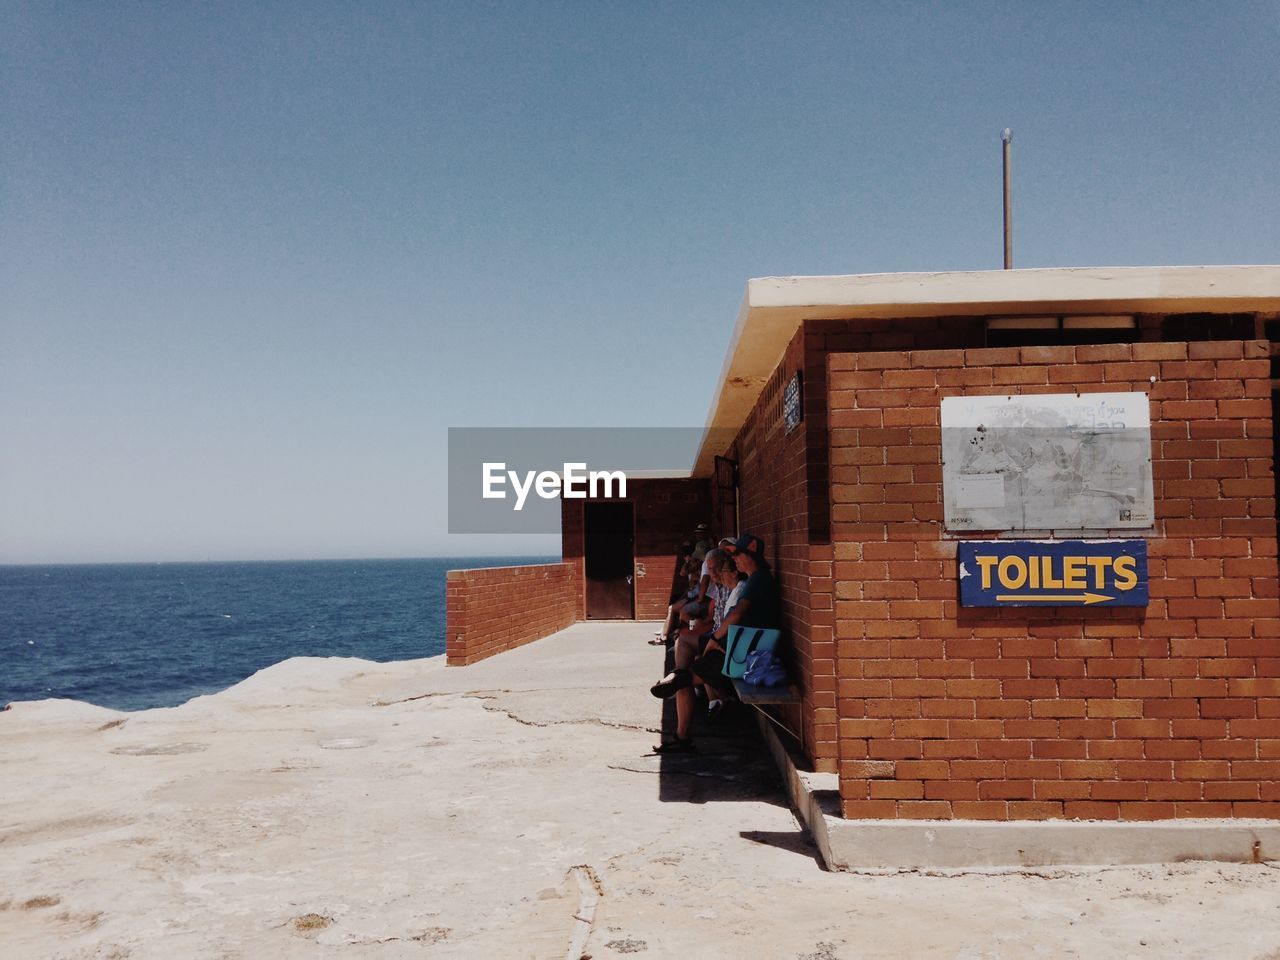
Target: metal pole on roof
1007, 139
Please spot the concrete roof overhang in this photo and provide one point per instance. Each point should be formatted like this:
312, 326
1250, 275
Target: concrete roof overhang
775, 307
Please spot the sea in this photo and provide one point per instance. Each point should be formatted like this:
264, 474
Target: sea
136, 636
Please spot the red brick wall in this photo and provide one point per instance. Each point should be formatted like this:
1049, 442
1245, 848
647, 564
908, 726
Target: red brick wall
784, 496
498, 608
571, 549
773, 503
1172, 711
831, 336
667, 510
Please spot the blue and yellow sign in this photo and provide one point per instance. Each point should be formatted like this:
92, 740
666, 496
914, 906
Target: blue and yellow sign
1059, 573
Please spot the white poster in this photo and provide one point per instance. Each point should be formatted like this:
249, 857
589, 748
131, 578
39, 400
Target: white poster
1047, 462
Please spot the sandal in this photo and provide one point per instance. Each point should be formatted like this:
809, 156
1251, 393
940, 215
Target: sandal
674, 746
680, 679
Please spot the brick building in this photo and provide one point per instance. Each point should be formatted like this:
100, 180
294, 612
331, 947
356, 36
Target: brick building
927, 706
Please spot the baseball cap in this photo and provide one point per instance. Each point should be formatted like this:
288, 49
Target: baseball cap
748, 543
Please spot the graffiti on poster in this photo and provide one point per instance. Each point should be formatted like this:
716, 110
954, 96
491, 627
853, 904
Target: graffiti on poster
1047, 462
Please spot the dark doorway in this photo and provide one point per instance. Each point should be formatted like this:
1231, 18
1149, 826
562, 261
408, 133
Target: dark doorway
609, 557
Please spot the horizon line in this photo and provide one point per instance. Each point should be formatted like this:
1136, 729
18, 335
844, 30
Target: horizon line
154, 563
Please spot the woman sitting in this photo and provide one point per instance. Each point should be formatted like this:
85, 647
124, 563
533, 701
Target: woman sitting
699, 656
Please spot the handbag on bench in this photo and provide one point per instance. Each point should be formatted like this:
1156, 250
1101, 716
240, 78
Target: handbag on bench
741, 642
764, 669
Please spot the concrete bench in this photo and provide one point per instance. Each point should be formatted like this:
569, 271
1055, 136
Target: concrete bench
754, 696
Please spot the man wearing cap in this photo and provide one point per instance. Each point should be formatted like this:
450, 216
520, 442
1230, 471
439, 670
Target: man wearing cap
756, 606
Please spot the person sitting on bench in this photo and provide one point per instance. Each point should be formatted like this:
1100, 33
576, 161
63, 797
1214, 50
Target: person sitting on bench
707, 616
690, 644
756, 606
692, 604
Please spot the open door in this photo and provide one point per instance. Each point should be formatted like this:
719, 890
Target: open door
609, 529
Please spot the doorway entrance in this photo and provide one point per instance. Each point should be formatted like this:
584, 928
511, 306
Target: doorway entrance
609, 529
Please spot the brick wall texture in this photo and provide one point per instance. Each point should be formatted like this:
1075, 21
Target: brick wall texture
500, 608
942, 712
784, 497
773, 503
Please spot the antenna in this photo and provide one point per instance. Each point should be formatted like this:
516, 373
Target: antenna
1006, 139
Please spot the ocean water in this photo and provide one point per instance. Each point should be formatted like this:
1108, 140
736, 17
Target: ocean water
135, 636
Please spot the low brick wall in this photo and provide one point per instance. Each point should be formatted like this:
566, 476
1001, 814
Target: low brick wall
494, 609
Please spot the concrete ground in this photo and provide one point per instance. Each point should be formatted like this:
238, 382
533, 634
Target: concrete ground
508, 809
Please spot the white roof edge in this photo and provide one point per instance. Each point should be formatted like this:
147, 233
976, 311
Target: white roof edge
739, 328
988, 286
774, 307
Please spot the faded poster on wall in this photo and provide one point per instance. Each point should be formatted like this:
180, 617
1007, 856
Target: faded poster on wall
1047, 462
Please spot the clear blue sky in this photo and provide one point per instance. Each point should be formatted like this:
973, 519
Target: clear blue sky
257, 258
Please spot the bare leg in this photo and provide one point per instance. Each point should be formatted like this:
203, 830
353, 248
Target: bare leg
673, 616
666, 624
685, 652
686, 648
684, 712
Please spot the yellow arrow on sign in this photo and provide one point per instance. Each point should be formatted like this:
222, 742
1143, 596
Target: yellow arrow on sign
1083, 598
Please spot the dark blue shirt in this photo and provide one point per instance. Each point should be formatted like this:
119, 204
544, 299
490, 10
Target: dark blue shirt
761, 593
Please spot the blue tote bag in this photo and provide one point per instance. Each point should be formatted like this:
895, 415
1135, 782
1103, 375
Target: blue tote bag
741, 642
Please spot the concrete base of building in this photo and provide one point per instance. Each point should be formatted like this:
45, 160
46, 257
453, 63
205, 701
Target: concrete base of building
893, 845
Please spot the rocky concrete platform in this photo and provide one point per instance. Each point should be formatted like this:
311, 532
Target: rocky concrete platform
507, 809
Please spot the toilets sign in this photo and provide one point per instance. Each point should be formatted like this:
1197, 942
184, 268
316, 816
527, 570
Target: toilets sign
1058, 573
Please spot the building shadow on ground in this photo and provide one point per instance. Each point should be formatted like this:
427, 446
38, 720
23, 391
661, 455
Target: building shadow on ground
729, 763
793, 841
